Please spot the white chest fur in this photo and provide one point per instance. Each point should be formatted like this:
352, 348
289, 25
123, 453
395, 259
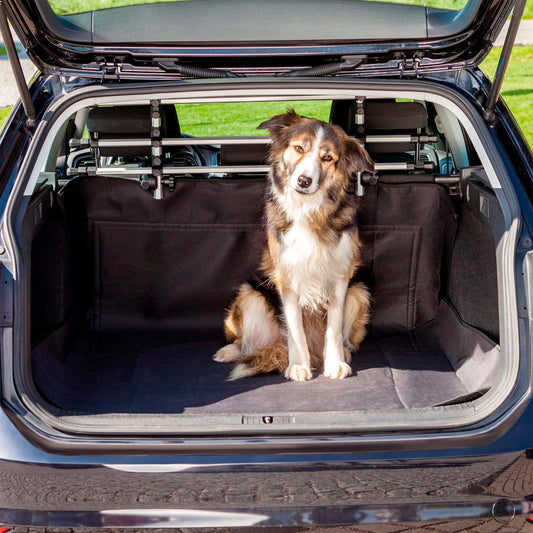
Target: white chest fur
312, 267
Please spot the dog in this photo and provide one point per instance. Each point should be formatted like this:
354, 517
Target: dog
302, 310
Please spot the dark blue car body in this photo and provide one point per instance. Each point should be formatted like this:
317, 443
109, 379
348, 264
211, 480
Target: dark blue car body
54, 479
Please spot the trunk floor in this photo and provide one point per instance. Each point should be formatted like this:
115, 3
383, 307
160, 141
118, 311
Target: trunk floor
118, 373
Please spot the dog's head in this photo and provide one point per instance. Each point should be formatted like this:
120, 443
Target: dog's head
310, 155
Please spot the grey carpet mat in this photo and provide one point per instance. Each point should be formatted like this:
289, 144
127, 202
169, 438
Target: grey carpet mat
118, 373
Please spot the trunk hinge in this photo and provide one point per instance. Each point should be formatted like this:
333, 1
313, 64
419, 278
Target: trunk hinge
510, 38
409, 67
16, 67
108, 69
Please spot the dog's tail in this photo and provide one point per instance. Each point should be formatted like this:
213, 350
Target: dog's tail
273, 358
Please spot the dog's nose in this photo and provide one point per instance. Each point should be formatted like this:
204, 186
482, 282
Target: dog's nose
304, 182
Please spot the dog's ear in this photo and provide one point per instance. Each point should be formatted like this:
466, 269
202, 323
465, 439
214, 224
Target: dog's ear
356, 157
279, 122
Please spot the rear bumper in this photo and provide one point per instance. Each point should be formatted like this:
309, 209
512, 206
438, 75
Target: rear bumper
41, 489
462, 515
492, 489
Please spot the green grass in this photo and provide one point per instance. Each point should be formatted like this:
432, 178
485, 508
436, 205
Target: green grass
4, 112
241, 118
3, 51
528, 12
517, 90
62, 7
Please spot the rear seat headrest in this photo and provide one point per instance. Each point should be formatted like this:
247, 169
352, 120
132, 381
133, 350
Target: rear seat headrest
343, 113
170, 125
134, 120
381, 115
129, 122
394, 118
391, 117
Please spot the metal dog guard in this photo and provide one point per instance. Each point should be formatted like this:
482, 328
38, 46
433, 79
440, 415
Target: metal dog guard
158, 176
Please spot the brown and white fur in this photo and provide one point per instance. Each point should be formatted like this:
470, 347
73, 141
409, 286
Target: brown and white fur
302, 310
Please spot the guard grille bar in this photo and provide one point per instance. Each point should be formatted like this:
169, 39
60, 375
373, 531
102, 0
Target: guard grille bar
219, 141
135, 172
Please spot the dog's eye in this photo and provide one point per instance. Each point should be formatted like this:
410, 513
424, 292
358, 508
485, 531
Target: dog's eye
327, 158
298, 148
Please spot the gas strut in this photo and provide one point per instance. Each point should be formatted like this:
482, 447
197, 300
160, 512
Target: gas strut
25, 96
510, 38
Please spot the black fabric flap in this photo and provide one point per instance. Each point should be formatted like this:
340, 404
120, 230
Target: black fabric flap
176, 263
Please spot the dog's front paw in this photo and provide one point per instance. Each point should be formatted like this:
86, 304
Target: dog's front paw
298, 373
228, 354
337, 370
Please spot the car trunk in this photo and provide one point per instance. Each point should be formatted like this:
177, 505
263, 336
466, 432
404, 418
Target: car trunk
128, 296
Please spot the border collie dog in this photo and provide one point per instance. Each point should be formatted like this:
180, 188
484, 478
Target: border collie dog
302, 310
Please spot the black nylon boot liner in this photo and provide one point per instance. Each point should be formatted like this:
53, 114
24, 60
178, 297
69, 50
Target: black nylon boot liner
118, 373
156, 277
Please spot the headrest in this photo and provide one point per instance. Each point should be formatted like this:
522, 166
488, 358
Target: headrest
392, 117
131, 119
343, 114
129, 122
170, 126
120, 120
382, 117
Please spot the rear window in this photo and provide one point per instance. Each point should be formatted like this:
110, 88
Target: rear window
242, 118
280, 23
62, 7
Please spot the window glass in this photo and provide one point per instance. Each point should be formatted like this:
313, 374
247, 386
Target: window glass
241, 118
62, 7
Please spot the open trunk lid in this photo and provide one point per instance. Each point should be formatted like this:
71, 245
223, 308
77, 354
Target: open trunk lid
257, 37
